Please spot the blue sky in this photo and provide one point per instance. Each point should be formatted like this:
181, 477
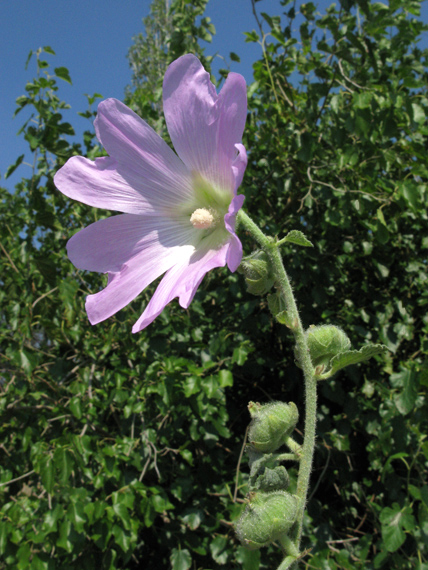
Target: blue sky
91, 38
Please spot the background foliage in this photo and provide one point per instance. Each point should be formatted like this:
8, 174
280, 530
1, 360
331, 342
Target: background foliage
121, 451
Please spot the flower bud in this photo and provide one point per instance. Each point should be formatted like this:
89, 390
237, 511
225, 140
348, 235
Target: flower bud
266, 517
324, 342
272, 479
271, 424
258, 273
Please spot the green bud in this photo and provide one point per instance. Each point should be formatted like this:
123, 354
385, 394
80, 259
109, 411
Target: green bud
271, 424
272, 479
324, 342
258, 273
266, 517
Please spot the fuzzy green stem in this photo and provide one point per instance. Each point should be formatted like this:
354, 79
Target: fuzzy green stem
287, 563
295, 447
302, 352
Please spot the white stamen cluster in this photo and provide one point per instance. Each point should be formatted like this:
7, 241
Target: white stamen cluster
202, 219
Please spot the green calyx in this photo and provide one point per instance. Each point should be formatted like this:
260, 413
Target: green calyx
272, 479
266, 518
258, 273
325, 342
271, 424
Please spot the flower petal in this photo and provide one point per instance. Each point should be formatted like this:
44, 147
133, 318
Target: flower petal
104, 183
181, 281
108, 244
204, 127
134, 276
234, 253
134, 144
239, 165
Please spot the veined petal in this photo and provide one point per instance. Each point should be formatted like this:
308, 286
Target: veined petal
181, 281
104, 183
204, 127
134, 276
239, 165
234, 253
108, 244
137, 147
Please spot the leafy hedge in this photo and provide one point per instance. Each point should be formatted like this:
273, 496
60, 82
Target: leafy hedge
121, 451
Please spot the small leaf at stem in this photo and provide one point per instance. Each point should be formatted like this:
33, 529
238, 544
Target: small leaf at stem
14, 166
349, 357
297, 237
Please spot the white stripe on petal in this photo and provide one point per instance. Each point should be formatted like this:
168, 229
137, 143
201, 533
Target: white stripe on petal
108, 244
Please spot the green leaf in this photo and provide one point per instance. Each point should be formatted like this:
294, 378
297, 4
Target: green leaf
48, 49
180, 559
64, 536
193, 519
241, 352
234, 57
161, 503
122, 512
76, 407
63, 460
418, 114
251, 36
51, 519
393, 521
381, 217
63, 73
77, 516
123, 538
27, 61
284, 319
191, 385
408, 380
225, 378
297, 237
47, 474
249, 559
23, 556
219, 550
14, 166
353, 357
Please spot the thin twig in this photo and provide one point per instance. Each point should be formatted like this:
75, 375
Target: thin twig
17, 478
43, 296
9, 258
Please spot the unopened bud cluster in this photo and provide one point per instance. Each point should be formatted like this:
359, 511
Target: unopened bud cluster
271, 424
271, 510
258, 273
325, 342
266, 517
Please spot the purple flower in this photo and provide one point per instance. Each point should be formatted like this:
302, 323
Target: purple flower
179, 212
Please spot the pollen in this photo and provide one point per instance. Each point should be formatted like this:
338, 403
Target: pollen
202, 219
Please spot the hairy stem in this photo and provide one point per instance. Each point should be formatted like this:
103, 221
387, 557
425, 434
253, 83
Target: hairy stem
302, 352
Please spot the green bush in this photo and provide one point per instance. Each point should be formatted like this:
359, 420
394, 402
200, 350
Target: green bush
125, 449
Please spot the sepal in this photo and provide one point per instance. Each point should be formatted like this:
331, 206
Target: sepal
278, 308
272, 480
258, 273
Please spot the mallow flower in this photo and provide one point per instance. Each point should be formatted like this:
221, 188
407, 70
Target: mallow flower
178, 209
